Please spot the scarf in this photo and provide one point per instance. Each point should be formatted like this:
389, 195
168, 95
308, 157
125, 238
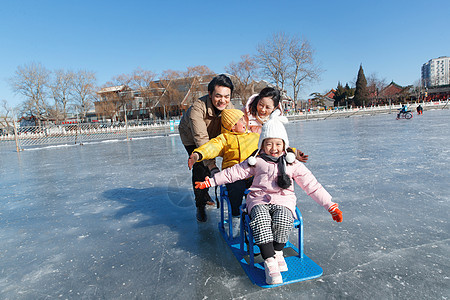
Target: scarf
283, 179
262, 120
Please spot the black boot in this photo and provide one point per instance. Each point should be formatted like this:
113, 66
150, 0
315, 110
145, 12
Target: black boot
201, 214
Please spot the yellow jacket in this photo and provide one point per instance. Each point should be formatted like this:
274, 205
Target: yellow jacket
234, 147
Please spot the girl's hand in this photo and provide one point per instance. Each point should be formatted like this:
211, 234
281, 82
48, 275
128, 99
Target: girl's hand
203, 184
336, 213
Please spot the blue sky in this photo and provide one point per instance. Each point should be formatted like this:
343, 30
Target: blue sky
390, 38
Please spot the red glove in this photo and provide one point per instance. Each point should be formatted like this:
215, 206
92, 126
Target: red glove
203, 184
336, 213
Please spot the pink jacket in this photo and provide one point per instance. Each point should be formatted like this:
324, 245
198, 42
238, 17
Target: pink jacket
265, 190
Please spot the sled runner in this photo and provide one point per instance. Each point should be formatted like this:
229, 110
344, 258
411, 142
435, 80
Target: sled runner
300, 266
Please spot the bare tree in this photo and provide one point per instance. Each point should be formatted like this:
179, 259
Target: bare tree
143, 81
62, 88
31, 81
105, 109
170, 93
374, 86
194, 78
272, 56
244, 74
301, 67
287, 61
5, 115
84, 83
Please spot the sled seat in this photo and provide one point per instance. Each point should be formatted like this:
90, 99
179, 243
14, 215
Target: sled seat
300, 266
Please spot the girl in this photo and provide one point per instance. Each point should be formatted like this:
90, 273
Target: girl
271, 200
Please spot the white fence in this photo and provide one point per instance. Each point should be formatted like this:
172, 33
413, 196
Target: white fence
32, 136
347, 112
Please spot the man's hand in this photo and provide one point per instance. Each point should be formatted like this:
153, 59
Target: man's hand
203, 184
193, 159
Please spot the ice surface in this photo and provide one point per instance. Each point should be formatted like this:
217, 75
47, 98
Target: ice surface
116, 220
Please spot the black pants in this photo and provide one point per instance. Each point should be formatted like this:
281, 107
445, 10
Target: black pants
199, 172
236, 193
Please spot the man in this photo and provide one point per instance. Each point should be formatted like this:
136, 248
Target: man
199, 124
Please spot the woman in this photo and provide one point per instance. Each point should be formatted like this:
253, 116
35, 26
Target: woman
259, 107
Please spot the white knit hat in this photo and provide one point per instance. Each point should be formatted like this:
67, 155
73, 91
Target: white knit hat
274, 128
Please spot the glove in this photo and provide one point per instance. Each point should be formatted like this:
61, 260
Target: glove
214, 171
203, 184
336, 213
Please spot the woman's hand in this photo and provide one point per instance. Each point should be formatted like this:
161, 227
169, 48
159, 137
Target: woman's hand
300, 156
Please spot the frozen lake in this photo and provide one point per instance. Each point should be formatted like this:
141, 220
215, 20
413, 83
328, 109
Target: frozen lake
116, 220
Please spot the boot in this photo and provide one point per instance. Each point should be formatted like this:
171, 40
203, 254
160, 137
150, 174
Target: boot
281, 262
273, 275
209, 201
201, 214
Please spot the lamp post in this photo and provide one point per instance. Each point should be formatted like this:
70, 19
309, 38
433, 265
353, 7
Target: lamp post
126, 120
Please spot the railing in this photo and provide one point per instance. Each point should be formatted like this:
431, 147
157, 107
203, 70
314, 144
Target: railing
347, 112
32, 136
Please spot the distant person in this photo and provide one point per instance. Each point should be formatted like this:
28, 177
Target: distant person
258, 109
199, 124
419, 109
271, 201
402, 110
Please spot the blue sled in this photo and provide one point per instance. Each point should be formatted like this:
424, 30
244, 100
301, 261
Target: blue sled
300, 266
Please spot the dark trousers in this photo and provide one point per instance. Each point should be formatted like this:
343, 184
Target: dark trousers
236, 193
268, 250
199, 172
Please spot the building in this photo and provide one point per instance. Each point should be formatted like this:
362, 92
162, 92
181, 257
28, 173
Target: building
393, 93
436, 72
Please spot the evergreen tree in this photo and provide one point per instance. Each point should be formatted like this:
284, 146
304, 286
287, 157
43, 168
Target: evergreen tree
339, 95
342, 94
349, 92
361, 94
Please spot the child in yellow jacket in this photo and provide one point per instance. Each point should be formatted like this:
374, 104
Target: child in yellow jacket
235, 144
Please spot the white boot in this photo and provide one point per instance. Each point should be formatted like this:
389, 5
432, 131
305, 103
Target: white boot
281, 262
273, 275
236, 226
